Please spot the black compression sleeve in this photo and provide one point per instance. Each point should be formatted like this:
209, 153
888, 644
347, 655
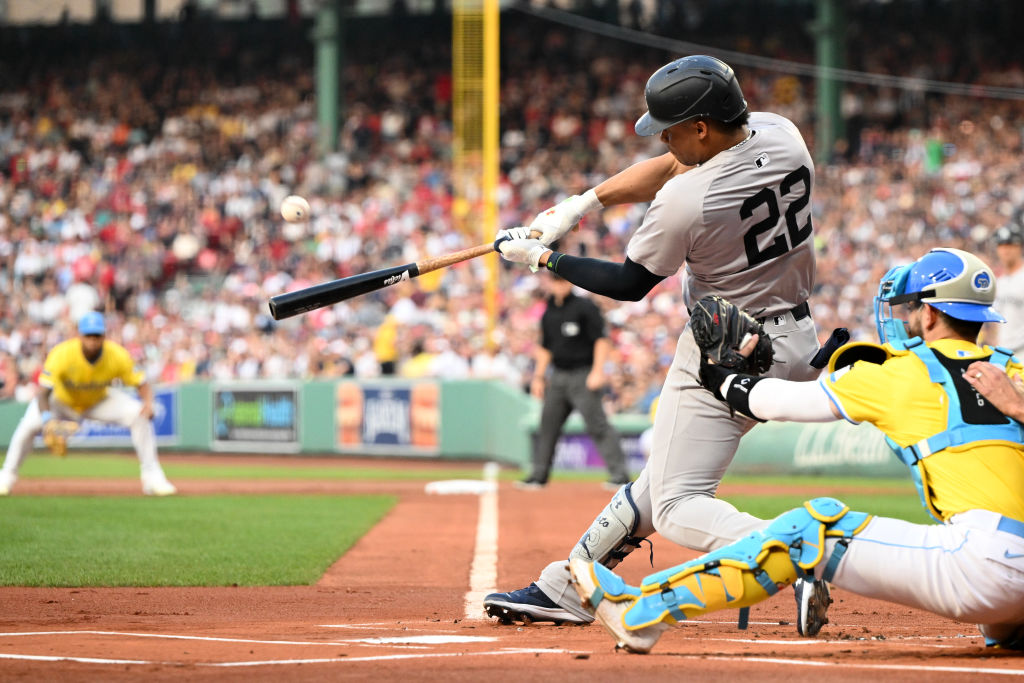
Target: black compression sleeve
627, 281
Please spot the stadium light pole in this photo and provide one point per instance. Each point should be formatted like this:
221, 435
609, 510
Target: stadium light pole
327, 34
828, 31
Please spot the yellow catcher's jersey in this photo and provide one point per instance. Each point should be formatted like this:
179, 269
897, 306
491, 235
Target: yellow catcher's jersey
899, 398
80, 384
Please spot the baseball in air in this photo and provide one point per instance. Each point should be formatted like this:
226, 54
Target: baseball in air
295, 209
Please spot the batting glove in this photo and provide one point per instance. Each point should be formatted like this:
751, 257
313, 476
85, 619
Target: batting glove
521, 250
512, 234
555, 222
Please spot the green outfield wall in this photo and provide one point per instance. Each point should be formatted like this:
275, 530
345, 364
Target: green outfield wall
466, 419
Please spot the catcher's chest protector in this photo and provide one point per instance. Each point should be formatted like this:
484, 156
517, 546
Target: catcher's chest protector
958, 431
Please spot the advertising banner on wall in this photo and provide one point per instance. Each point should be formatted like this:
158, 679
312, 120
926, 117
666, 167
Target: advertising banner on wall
578, 452
94, 434
394, 418
257, 418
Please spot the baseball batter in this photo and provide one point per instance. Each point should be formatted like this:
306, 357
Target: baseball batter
731, 202
76, 384
965, 457
1010, 288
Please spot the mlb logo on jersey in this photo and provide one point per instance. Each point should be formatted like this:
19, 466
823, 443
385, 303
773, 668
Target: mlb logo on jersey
761, 160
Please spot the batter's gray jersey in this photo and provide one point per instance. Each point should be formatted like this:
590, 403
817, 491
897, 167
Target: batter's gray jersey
1010, 303
741, 222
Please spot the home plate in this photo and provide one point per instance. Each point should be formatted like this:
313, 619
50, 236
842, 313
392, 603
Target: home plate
473, 486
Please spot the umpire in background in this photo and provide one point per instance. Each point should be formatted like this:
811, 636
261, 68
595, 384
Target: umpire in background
573, 343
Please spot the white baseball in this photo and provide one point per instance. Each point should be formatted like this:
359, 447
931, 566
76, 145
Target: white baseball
295, 209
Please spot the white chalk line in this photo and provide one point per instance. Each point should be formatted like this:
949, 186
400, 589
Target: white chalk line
278, 662
169, 636
844, 643
407, 644
84, 660
391, 640
383, 658
845, 625
483, 574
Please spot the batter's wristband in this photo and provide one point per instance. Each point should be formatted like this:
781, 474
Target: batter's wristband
552, 263
46, 416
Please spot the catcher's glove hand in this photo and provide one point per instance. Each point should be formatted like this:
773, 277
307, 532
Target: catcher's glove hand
721, 329
56, 433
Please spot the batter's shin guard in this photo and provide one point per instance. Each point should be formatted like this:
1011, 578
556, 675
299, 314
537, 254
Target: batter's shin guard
616, 532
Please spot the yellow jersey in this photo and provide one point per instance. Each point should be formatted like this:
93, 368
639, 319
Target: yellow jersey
80, 384
898, 397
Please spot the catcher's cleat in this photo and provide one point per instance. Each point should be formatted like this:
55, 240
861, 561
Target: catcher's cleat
527, 605
609, 598
812, 601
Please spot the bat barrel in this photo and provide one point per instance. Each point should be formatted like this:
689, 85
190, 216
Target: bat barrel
327, 293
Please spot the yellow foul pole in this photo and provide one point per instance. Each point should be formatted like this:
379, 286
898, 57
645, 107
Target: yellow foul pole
475, 93
489, 224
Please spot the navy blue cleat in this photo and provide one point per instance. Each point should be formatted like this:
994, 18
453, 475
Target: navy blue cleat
527, 605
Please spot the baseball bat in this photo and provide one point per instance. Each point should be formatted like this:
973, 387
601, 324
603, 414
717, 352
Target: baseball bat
329, 293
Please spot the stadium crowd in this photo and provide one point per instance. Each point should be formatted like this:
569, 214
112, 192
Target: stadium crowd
149, 187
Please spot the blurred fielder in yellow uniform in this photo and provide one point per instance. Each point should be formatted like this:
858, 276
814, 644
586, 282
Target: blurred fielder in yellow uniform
922, 388
76, 384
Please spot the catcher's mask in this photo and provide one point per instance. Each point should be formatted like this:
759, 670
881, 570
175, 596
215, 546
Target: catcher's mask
953, 281
693, 86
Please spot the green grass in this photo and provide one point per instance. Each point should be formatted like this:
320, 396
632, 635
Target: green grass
121, 466
906, 507
280, 540
887, 498
186, 541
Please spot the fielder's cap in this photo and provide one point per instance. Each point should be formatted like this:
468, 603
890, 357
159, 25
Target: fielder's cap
1009, 234
92, 323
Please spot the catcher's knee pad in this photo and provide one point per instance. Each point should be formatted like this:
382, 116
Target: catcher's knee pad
749, 570
612, 535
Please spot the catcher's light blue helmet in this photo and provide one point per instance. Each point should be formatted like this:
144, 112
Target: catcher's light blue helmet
953, 281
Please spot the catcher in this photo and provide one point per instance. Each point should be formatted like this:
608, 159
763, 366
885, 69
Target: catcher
76, 384
965, 457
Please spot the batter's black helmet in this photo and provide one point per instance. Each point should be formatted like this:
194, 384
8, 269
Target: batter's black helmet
687, 88
1009, 234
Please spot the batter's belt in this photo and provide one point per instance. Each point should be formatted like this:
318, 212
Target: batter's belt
800, 311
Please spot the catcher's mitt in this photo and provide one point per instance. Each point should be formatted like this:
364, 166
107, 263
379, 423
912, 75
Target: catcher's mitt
56, 433
721, 329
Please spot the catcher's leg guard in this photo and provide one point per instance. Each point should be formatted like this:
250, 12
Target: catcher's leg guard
737, 575
615, 533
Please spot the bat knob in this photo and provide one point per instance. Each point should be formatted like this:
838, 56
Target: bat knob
497, 242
